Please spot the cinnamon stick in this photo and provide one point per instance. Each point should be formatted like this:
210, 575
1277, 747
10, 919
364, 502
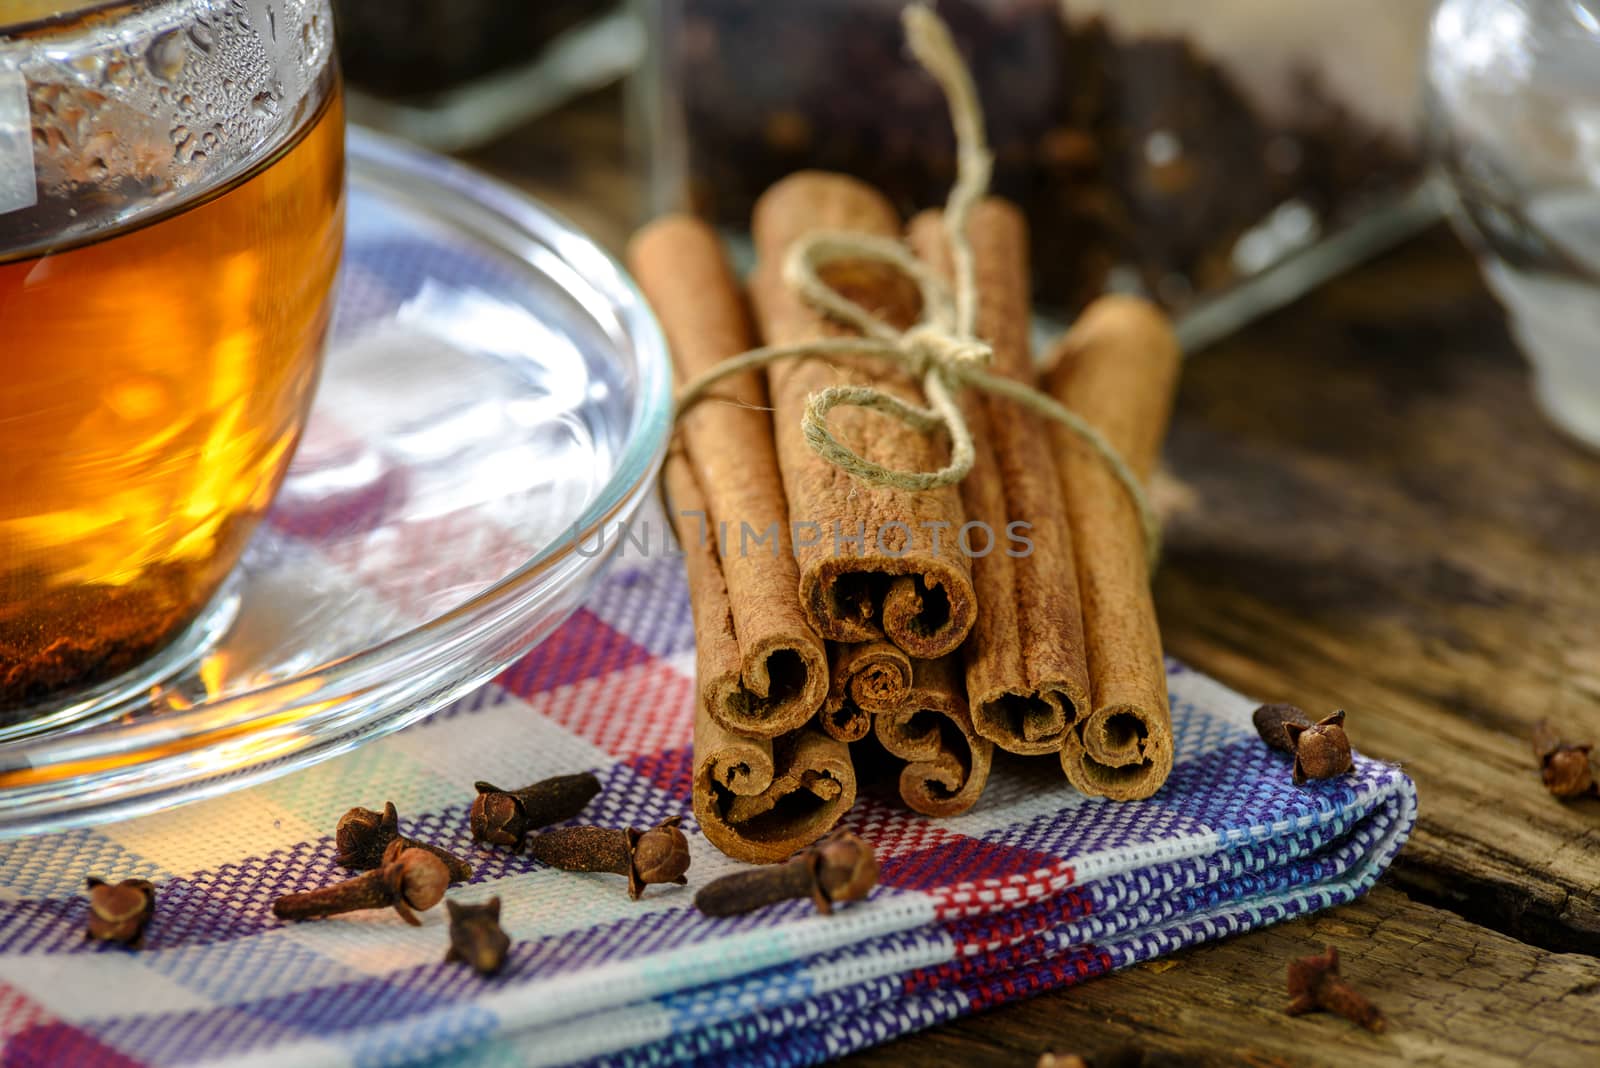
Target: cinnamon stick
762, 799
947, 761
866, 678
1117, 368
756, 798
1026, 674
781, 672
882, 562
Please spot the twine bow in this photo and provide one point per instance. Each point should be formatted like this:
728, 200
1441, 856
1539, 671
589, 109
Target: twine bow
941, 348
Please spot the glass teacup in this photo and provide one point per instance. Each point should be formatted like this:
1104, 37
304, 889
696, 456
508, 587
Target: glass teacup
171, 218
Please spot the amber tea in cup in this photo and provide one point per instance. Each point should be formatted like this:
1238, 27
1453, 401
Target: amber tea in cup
171, 217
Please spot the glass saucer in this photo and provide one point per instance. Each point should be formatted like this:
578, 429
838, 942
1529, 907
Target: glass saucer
495, 392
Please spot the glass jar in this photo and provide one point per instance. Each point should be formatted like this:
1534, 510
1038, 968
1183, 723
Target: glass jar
456, 75
1187, 150
1514, 110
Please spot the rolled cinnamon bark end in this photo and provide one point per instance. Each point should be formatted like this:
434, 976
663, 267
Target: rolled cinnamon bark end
761, 799
1118, 369
773, 676
1138, 743
867, 678
1026, 676
873, 561
778, 702
947, 762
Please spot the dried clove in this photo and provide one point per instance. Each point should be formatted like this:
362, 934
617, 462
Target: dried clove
475, 936
119, 912
407, 879
504, 817
363, 835
1314, 984
837, 869
1321, 750
659, 855
1564, 766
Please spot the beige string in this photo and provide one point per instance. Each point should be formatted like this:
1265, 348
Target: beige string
941, 349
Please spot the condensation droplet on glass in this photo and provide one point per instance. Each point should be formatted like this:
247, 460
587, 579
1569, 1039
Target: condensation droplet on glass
200, 33
118, 73
166, 55
264, 104
102, 142
75, 109
180, 134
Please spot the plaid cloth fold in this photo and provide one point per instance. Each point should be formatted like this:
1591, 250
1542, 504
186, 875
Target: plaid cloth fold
1035, 888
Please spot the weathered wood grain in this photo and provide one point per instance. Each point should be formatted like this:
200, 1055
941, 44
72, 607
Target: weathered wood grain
1380, 520
1454, 993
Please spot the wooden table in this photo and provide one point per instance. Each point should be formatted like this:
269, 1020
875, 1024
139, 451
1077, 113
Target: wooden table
1371, 516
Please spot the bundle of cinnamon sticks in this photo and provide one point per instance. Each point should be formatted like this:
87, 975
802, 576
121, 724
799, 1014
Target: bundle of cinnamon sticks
1010, 610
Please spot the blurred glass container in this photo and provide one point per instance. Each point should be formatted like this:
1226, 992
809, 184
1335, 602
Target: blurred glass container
456, 75
1514, 120
1223, 156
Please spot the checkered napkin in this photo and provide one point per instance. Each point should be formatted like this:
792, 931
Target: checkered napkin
1034, 888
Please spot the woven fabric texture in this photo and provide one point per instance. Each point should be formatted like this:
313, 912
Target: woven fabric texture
1034, 888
